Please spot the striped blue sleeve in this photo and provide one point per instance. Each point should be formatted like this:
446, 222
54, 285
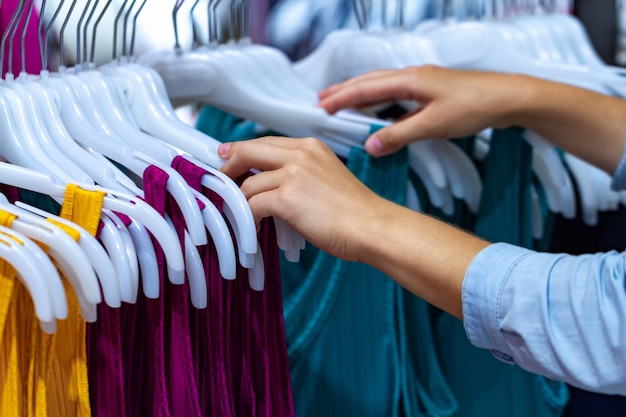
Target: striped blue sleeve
557, 315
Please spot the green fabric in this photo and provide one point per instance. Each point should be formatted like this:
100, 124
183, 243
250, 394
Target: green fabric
41, 201
224, 126
352, 351
549, 217
482, 385
360, 345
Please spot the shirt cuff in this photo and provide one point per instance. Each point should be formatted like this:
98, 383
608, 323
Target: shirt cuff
481, 296
618, 182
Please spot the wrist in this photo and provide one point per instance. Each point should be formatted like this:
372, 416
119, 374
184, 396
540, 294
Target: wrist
520, 96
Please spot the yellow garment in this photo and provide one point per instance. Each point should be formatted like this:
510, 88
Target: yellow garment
68, 386
10, 396
18, 333
45, 375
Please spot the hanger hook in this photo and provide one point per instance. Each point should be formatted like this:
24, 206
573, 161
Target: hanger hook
400, 14
29, 14
125, 28
233, 20
62, 33
133, 33
95, 31
40, 37
49, 26
78, 27
236, 19
177, 6
9, 35
118, 16
245, 18
214, 33
194, 26
358, 13
86, 57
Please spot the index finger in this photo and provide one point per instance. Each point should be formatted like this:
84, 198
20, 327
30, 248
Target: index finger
266, 153
363, 91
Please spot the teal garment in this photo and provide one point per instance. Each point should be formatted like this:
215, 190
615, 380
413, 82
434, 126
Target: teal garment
360, 345
351, 350
482, 385
224, 126
548, 218
41, 201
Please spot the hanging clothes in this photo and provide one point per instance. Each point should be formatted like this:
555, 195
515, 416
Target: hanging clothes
504, 216
335, 308
46, 374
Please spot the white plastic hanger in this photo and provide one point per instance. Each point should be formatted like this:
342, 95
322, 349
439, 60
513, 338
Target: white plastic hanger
237, 91
194, 270
114, 200
106, 144
124, 126
117, 243
71, 258
18, 144
35, 119
98, 258
108, 175
160, 121
147, 259
117, 240
220, 233
345, 54
100, 170
37, 273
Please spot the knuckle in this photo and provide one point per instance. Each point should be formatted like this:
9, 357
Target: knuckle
246, 187
295, 170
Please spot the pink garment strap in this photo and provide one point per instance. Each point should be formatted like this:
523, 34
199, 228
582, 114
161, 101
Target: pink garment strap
210, 333
155, 389
181, 378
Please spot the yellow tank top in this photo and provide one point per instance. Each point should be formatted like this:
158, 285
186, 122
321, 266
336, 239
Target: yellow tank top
45, 375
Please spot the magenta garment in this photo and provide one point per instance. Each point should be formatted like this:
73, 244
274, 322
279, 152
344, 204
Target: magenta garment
182, 384
255, 360
210, 341
31, 44
149, 376
105, 364
105, 354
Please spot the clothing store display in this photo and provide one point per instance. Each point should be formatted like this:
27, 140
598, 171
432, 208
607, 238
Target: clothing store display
169, 317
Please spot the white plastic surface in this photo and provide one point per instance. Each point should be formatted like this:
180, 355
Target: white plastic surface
96, 254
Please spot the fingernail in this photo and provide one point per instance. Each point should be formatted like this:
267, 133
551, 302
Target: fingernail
374, 145
223, 148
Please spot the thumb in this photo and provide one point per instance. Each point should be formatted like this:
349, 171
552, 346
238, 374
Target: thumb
393, 138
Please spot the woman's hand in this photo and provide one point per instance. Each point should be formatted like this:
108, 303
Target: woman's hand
455, 103
305, 184
451, 103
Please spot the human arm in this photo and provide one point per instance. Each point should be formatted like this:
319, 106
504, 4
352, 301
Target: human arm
304, 183
459, 103
557, 315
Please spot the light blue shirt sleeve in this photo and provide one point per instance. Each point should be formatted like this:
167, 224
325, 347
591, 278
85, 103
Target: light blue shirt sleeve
557, 315
561, 316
